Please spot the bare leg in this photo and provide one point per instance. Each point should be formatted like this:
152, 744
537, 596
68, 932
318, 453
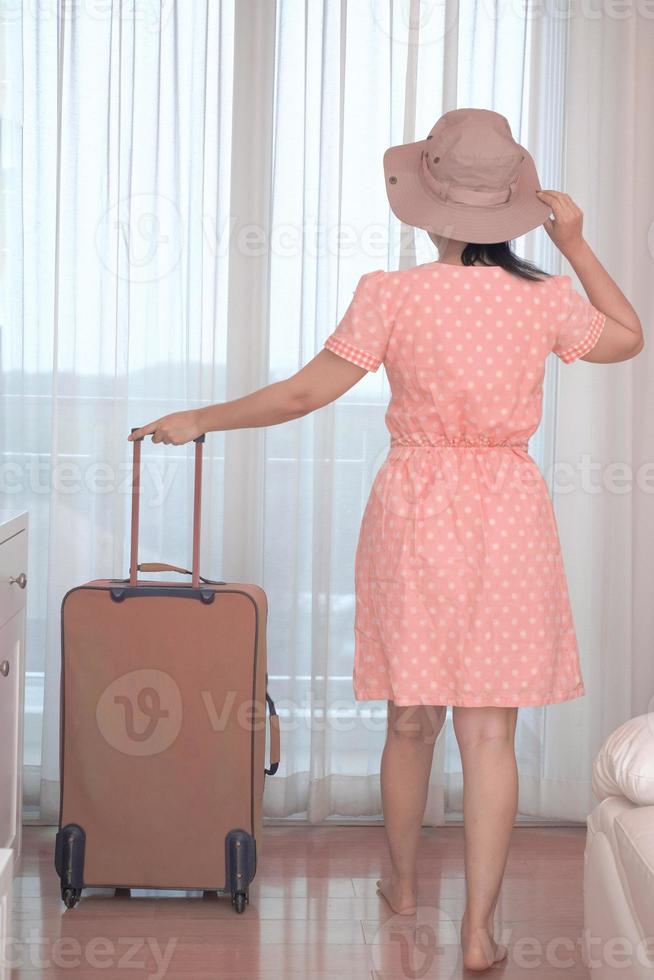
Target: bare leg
490, 800
405, 766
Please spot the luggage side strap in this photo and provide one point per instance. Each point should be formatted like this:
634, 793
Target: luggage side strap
273, 719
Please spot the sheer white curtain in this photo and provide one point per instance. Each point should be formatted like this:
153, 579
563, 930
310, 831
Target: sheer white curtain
604, 422
200, 193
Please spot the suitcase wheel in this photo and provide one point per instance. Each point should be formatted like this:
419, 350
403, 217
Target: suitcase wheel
71, 896
69, 862
239, 899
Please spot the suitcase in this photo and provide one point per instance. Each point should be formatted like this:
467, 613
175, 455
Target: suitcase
163, 728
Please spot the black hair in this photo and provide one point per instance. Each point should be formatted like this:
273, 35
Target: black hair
500, 253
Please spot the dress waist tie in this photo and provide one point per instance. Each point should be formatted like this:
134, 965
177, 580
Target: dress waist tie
465, 442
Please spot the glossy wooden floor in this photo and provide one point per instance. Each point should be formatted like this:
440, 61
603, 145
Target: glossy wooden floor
313, 914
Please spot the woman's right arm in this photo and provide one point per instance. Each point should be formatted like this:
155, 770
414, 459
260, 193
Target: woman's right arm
622, 335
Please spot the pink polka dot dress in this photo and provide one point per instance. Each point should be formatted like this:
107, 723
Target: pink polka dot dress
461, 594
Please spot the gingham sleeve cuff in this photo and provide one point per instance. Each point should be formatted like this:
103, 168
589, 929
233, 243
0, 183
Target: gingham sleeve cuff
351, 353
592, 336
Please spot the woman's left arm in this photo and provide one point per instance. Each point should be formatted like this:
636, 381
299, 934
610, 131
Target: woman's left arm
324, 379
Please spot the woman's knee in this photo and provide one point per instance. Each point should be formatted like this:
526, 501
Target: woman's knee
421, 722
473, 725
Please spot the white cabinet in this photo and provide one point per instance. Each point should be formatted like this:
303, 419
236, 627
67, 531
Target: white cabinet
13, 593
6, 950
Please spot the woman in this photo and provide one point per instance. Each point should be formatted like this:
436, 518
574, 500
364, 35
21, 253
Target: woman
461, 596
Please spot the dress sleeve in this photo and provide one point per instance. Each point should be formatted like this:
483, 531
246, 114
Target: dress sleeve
363, 333
579, 323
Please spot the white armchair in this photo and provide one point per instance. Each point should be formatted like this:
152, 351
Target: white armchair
619, 856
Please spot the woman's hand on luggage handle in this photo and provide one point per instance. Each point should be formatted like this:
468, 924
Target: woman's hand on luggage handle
566, 228
174, 429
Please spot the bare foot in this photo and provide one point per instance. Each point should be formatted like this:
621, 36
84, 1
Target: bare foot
401, 898
480, 951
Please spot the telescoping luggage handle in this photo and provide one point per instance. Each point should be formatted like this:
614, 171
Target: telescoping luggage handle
273, 719
136, 493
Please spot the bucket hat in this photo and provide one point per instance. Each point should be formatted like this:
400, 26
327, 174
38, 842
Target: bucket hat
468, 180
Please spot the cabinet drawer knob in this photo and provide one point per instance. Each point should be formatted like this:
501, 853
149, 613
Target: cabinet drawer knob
4, 668
20, 580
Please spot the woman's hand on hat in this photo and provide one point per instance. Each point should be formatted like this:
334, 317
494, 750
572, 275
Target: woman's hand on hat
566, 228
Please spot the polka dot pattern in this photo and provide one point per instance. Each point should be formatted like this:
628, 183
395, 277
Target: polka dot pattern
461, 594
